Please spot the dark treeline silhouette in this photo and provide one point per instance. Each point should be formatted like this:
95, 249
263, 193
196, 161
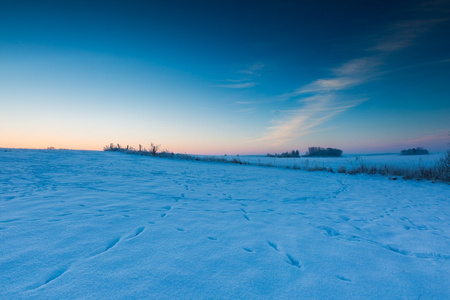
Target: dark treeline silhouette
293, 153
414, 151
323, 152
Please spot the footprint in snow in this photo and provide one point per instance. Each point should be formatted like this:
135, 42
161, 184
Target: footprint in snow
273, 245
135, 233
289, 258
329, 231
292, 261
343, 278
108, 246
52, 276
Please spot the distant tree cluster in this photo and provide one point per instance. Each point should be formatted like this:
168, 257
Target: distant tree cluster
293, 153
414, 151
323, 152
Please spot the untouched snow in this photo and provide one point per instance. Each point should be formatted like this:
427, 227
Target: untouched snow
79, 224
348, 161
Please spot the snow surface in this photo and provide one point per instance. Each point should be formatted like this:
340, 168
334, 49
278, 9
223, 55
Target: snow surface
80, 224
348, 161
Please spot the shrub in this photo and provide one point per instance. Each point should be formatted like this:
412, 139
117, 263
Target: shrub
154, 149
342, 169
323, 152
443, 167
414, 151
236, 161
293, 153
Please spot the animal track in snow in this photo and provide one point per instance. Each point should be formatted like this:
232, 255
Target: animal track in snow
345, 218
289, 258
228, 196
9, 220
110, 244
292, 261
343, 278
53, 275
329, 231
64, 214
136, 232
396, 250
273, 245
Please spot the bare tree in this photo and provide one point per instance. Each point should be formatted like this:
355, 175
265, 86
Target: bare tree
154, 149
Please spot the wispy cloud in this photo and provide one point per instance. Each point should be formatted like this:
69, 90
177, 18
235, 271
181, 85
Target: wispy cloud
346, 76
292, 124
242, 85
403, 34
322, 99
244, 102
246, 78
328, 85
253, 69
357, 67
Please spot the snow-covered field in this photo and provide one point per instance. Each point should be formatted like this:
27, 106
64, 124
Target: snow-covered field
80, 224
348, 161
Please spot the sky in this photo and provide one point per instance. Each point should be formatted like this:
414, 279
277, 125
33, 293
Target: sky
225, 77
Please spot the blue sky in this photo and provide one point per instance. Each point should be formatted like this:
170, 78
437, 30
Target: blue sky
215, 77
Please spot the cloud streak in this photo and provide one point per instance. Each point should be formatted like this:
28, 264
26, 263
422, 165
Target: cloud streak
403, 34
322, 99
244, 83
253, 70
292, 124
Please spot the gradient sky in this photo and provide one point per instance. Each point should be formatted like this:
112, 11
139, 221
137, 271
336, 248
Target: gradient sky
216, 77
